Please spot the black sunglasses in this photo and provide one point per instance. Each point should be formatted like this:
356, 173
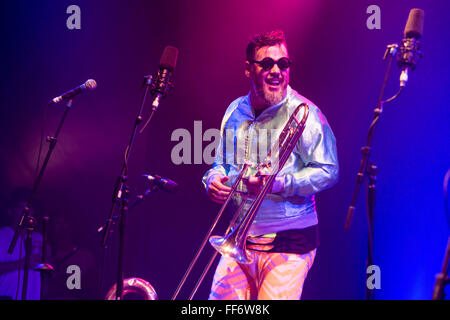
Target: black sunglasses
268, 63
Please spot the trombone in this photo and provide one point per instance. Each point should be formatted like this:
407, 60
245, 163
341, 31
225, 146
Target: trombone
233, 243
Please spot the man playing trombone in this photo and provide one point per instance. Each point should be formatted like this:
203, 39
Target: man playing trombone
283, 237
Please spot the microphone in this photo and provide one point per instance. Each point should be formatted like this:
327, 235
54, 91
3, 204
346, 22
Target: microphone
164, 184
88, 85
409, 53
162, 82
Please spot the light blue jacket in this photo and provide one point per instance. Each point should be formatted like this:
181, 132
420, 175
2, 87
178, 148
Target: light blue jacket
312, 166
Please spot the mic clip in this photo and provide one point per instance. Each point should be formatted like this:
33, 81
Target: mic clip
161, 86
390, 50
148, 81
408, 56
409, 53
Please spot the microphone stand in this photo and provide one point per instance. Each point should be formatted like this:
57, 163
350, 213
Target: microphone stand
369, 169
44, 268
139, 198
27, 222
442, 278
121, 193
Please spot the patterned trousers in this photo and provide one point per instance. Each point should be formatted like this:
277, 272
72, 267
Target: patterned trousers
271, 276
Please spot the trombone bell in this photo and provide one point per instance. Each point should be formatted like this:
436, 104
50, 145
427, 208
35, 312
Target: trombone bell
228, 247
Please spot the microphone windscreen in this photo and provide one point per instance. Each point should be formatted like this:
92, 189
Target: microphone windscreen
414, 25
169, 58
90, 84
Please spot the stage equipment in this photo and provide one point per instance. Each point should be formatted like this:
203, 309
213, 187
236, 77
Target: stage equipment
163, 81
44, 268
233, 244
121, 189
134, 285
27, 222
409, 50
88, 85
408, 54
162, 183
442, 278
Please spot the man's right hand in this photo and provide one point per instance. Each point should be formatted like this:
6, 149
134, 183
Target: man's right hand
217, 191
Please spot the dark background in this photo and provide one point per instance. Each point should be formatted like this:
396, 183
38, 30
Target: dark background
337, 64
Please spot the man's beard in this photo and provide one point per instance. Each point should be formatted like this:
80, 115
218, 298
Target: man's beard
272, 97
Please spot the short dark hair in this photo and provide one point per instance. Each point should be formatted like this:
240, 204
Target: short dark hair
264, 39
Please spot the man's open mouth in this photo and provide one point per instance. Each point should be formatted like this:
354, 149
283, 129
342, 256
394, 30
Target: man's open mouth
273, 82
